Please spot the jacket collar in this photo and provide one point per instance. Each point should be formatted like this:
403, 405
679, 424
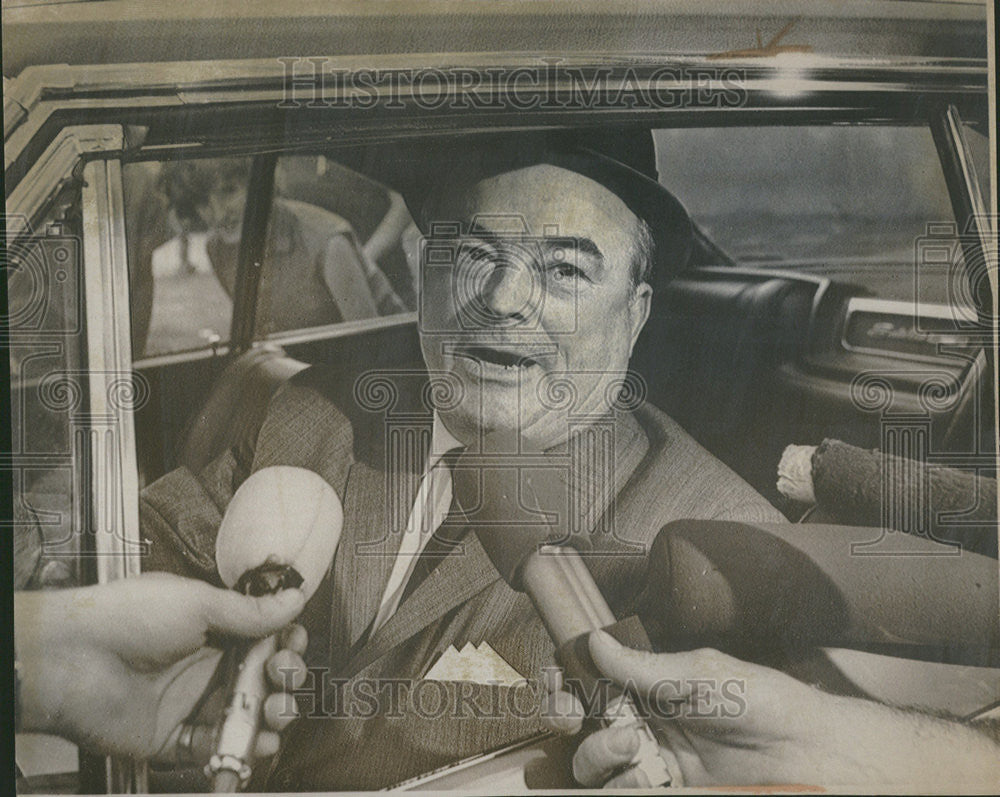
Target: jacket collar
376, 509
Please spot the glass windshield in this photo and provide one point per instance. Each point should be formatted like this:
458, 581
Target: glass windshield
799, 195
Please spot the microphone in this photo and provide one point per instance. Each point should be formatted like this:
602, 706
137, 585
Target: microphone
752, 588
861, 487
518, 505
280, 531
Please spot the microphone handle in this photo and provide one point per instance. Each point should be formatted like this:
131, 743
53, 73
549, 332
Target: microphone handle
230, 767
571, 606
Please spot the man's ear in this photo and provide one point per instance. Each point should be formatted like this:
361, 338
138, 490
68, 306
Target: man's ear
639, 305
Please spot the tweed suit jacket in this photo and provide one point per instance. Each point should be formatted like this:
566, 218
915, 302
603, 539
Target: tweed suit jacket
370, 718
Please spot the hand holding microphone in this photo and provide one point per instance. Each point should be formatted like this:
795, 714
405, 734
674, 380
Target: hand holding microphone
134, 658
280, 531
518, 503
718, 588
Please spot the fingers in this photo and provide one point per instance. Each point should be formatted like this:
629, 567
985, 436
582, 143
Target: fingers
624, 664
266, 744
707, 684
648, 672
294, 638
228, 612
286, 670
188, 745
562, 713
195, 744
633, 778
203, 739
279, 710
602, 754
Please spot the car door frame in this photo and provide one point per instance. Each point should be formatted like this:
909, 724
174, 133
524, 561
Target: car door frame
36, 130
103, 454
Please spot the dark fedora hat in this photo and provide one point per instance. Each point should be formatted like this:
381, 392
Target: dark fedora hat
621, 160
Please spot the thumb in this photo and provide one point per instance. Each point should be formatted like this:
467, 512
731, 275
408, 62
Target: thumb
228, 612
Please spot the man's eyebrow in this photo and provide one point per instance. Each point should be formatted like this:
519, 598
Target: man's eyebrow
587, 247
582, 245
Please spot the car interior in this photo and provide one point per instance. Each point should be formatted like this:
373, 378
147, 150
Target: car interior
811, 315
824, 324
758, 343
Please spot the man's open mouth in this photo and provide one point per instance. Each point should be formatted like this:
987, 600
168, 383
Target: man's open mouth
501, 357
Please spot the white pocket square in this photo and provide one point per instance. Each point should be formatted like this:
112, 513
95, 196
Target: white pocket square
476, 663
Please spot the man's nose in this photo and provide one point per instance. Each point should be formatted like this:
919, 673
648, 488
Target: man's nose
510, 290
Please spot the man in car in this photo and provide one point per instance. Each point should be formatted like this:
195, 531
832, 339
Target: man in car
526, 331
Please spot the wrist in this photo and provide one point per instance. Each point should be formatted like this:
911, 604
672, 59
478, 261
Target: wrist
896, 748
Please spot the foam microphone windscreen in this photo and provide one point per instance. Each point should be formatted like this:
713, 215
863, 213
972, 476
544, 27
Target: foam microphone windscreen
863, 487
281, 516
745, 588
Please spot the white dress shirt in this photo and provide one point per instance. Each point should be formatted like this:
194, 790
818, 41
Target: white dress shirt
429, 511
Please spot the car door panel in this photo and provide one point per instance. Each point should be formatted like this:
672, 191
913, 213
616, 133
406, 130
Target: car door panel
750, 362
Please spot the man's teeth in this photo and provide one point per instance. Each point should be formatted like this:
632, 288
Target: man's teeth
506, 360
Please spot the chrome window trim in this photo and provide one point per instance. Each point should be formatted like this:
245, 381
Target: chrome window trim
112, 489
897, 307
106, 296
51, 81
40, 91
174, 358
343, 329
977, 234
30, 199
967, 168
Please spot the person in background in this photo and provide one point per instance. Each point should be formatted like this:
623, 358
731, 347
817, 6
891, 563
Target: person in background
314, 270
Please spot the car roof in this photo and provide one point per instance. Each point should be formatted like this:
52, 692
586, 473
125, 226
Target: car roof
127, 31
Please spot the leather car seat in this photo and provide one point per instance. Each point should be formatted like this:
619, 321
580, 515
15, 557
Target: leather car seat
709, 355
235, 409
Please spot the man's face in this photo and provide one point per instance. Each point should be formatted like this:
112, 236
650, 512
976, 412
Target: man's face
536, 314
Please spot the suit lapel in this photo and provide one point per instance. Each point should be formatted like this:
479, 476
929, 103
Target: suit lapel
378, 497
466, 572
368, 561
364, 557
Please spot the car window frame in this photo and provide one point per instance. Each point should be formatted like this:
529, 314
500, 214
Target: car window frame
103, 458
43, 149
915, 91
88, 153
849, 94
974, 222
833, 90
